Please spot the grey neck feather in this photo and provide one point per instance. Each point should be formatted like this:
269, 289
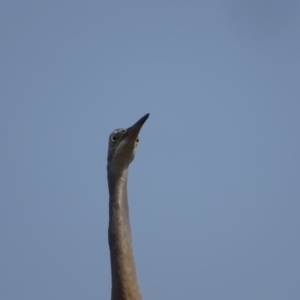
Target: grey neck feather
124, 279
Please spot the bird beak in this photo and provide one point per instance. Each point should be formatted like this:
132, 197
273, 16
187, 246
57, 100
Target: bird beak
133, 131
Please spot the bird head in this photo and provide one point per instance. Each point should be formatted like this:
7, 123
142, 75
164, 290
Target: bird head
122, 144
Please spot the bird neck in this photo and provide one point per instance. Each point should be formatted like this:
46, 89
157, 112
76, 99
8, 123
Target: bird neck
124, 279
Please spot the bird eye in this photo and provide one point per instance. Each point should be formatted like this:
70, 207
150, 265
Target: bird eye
137, 140
113, 138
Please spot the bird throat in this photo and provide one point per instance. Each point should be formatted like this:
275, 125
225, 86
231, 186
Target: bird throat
124, 278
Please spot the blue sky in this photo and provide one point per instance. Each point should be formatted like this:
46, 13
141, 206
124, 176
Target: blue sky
214, 189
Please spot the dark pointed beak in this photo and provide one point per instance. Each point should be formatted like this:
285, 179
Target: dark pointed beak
133, 131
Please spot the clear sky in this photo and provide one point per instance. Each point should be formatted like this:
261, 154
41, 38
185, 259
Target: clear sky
214, 189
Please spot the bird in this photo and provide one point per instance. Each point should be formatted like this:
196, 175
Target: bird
121, 151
